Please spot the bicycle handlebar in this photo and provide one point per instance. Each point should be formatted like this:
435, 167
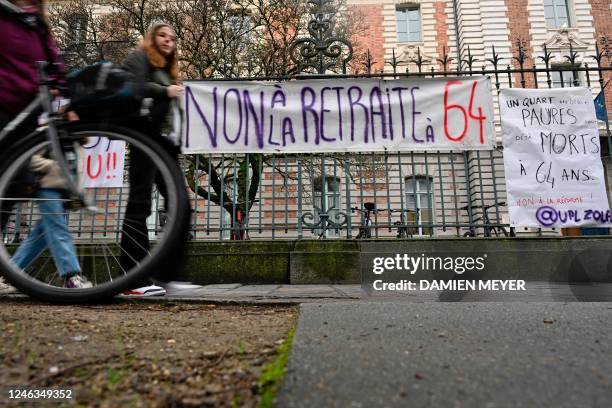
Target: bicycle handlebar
391, 210
486, 207
365, 210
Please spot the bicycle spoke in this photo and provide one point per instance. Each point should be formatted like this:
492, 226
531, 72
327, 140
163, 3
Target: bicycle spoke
96, 235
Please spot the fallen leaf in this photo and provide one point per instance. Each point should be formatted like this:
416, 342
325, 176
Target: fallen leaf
79, 338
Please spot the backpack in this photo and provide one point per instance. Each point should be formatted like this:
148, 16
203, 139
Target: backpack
103, 92
24, 184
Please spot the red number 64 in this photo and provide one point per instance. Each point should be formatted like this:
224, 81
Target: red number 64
467, 113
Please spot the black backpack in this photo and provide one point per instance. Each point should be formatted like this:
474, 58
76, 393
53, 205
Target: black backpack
103, 92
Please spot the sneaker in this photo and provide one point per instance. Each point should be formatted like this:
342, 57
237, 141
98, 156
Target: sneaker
152, 290
5, 288
77, 282
173, 287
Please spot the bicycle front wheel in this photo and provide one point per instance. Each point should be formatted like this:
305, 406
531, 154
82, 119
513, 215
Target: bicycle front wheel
49, 237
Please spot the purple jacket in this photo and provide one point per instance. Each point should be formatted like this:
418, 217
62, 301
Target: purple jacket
20, 48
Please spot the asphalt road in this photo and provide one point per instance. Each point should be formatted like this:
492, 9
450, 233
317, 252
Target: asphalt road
477, 354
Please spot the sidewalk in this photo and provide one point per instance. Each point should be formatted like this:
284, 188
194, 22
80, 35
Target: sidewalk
266, 294
236, 293
296, 294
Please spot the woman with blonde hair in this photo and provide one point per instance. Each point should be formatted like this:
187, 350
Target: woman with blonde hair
154, 67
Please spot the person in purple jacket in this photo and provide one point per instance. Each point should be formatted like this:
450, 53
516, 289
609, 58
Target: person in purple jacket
27, 40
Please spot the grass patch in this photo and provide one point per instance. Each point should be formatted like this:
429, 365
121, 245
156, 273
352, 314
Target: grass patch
17, 338
114, 377
274, 372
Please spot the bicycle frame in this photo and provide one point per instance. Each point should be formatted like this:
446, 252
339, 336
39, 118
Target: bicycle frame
366, 220
43, 104
403, 230
488, 228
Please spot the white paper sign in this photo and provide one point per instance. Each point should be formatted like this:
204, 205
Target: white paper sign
102, 163
552, 158
338, 115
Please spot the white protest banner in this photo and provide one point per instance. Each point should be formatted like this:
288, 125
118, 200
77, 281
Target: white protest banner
338, 115
102, 163
552, 158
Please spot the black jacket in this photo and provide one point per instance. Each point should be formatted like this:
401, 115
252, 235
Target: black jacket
150, 83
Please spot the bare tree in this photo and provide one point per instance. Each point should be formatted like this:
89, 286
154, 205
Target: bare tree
87, 31
216, 38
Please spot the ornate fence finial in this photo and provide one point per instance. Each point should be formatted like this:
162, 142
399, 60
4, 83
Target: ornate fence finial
605, 47
418, 60
322, 50
601, 52
369, 62
573, 55
470, 60
495, 58
445, 60
522, 55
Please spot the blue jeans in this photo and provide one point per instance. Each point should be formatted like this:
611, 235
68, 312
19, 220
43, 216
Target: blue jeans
51, 231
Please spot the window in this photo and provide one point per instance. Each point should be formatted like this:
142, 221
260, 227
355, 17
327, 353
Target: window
556, 13
76, 29
408, 24
419, 203
565, 79
327, 200
240, 23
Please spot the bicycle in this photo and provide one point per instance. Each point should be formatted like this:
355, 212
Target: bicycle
95, 223
365, 228
403, 230
489, 229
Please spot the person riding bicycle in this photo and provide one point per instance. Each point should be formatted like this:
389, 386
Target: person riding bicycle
17, 148
26, 39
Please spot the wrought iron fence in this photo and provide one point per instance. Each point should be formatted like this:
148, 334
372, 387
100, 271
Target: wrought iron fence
365, 195
403, 195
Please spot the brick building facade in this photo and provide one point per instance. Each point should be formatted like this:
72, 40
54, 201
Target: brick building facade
453, 27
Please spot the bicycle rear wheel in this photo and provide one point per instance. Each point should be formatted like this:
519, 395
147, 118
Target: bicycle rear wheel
111, 264
502, 231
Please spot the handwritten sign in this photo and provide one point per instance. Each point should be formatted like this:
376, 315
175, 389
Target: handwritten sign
340, 115
102, 163
552, 158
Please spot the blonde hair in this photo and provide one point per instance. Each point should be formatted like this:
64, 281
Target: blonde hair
156, 58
